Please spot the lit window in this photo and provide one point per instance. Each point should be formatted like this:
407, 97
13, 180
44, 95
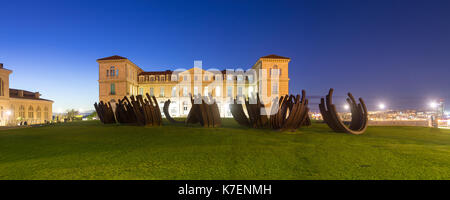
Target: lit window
205, 91
229, 77
174, 91
151, 92
239, 77
195, 90
141, 91
230, 91
185, 92
161, 92
218, 93
239, 91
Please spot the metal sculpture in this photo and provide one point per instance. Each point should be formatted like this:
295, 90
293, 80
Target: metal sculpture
105, 112
205, 111
290, 112
167, 114
140, 111
256, 118
359, 122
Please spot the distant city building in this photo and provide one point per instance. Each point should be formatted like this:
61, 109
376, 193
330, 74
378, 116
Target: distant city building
119, 77
21, 106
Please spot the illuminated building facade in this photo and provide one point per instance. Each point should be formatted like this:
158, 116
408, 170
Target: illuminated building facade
119, 77
20, 106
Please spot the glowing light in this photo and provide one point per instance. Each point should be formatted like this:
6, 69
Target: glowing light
433, 104
8, 112
381, 106
346, 107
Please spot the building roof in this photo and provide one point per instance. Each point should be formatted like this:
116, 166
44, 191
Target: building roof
156, 73
115, 57
14, 93
275, 56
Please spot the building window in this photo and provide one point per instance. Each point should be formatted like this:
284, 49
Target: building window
163, 78
218, 93
185, 78
218, 77
117, 72
250, 78
250, 91
107, 72
46, 113
185, 92
113, 89
152, 78
274, 88
141, 91
229, 77
30, 112
275, 71
206, 91
1, 108
185, 107
112, 71
22, 112
239, 78
174, 77
38, 112
230, 91
195, 90
161, 92
195, 78
239, 91
152, 92
206, 78
174, 91
2, 87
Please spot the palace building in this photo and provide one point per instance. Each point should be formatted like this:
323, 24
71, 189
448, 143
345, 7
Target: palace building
20, 106
119, 77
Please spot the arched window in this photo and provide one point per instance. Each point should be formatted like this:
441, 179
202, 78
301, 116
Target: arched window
275, 71
30, 112
38, 112
22, 111
112, 71
1, 111
46, 113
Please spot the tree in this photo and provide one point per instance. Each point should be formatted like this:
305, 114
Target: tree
71, 114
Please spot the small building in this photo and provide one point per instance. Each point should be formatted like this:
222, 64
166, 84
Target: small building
21, 106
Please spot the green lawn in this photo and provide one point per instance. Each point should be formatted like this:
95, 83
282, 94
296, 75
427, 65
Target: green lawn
90, 150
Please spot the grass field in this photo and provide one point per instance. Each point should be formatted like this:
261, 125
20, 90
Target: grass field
90, 150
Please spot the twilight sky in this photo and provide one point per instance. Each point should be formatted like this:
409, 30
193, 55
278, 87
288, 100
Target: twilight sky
395, 52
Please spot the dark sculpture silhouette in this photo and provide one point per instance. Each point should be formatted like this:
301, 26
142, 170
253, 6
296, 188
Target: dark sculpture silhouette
359, 122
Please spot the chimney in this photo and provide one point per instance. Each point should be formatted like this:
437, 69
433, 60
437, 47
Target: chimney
1, 65
37, 95
20, 93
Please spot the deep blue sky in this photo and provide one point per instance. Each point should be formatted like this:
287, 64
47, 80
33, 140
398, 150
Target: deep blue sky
397, 52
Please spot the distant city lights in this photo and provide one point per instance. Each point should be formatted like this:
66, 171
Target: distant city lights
433, 104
